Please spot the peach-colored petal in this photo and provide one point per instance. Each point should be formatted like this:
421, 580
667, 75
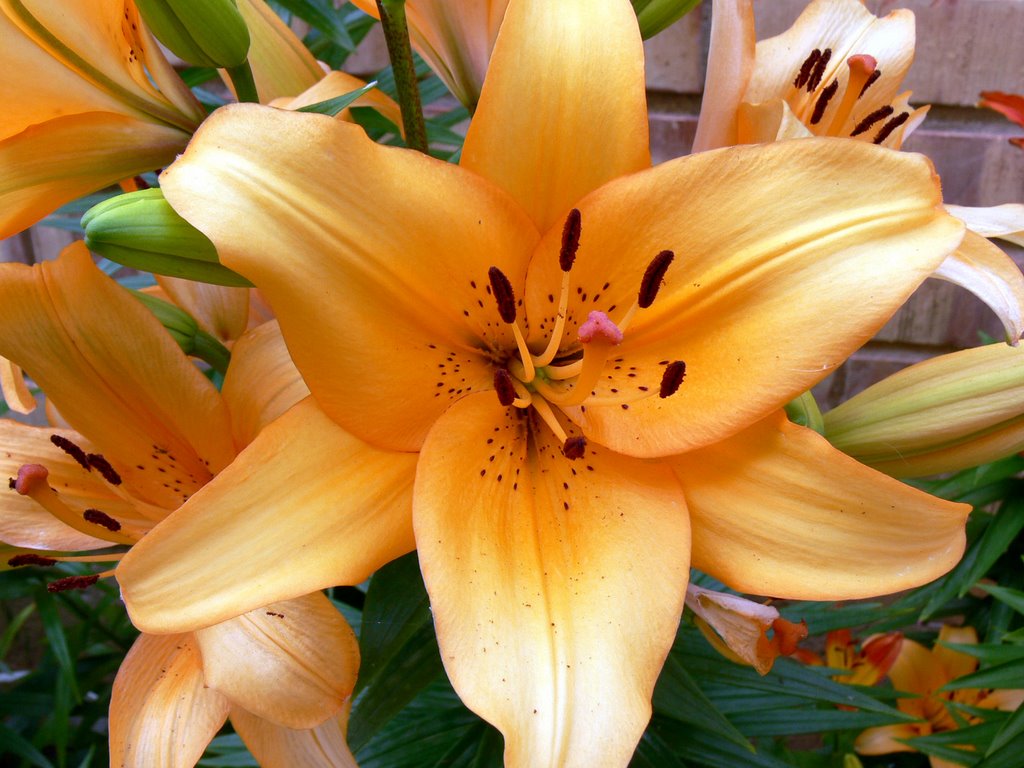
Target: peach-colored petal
262, 382
776, 511
955, 663
13, 389
317, 228
916, 670
548, 129
304, 507
220, 310
161, 713
1005, 222
276, 747
336, 84
556, 586
885, 739
115, 374
292, 663
281, 65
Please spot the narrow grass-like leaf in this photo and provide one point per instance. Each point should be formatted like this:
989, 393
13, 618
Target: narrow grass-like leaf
336, 105
989, 653
54, 629
1009, 675
678, 696
1012, 597
13, 744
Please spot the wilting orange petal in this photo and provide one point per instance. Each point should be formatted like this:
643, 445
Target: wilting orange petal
789, 256
261, 383
161, 713
220, 310
115, 374
293, 663
13, 388
777, 511
548, 129
57, 161
408, 304
730, 63
304, 507
277, 747
543, 575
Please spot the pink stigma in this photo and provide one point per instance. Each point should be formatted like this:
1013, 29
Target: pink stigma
600, 327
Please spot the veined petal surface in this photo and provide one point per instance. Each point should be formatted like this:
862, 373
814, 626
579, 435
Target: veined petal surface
776, 511
115, 374
1005, 222
375, 260
292, 663
556, 586
13, 389
563, 109
161, 713
788, 257
305, 506
274, 746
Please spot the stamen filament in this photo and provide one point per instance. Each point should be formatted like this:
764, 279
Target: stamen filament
529, 372
566, 371
549, 353
543, 409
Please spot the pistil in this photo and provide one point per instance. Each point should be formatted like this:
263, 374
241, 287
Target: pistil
862, 69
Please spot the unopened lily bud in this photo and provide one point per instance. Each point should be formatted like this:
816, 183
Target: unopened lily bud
738, 628
207, 33
944, 414
186, 332
655, 15
142, 231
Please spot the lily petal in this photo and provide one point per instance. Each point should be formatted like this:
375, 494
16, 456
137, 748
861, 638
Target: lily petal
277, 747
262, 382
955, 663
767, 122
292, 663
23, 523
161, 713
13, 389
884, 739
57, 161
281, 65
114, 373
916, 671
336, 84
547, 94
556, 586
220, 311
730, 63
402, 339
766, 521
787, 234
992, 276
294, 513
1005, 222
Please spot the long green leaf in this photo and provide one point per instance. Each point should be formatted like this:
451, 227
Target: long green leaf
46, 604
1009, 675
13, 744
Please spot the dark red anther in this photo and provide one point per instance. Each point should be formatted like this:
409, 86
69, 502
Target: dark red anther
871, 81
101, 465
891, 126
71, 450
870, 120
72, 582
654, 275
503, 295
29, 559
570, 240
822, 103
503, 386
97, 517
819, 70
12, 483
805, 69
574, 448
672, 378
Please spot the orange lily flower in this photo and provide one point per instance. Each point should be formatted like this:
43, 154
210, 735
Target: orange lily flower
1010, 105
867, 666
556, 372
923, 672
95, 102
837, 72
150, 430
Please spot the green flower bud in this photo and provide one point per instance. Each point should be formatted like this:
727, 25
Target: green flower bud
142, 231
186, 333
944, 414
655, 15
207, 33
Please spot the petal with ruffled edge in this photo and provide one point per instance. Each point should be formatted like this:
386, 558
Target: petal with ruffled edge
305, 506
57, 161
262, 382
277, 747
777, 511
547, 129
375, 260
992, 276
1005, 222
336, 84
556, 586
161, 713
293, 663
789, 256
23, 523
115, 374
220, 310
13, 389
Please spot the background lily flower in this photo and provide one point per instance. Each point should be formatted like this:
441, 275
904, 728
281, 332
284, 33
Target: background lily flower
563, 368
867, 665
924, 671
152, 431
94, 102
1011, 105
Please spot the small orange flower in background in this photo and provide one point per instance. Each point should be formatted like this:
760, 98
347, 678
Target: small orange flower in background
924, 672
867, 666
1011, 105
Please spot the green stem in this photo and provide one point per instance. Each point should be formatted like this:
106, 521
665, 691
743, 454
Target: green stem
396, 35
245, 86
